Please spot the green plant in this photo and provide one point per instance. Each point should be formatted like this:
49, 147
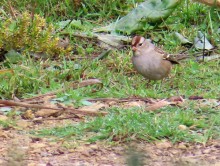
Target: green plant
29, 34
135, 124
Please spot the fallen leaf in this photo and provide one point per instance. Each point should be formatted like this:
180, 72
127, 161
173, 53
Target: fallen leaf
182, 39
201, 42
88, 82
94, 107
176, 98
28, 115
147, 13
133, 104
157, 105
48, 112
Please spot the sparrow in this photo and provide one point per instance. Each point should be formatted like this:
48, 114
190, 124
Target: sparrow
150, 61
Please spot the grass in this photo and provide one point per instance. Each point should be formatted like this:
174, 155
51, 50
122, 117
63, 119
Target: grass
123, 125
77, 9
7, 124
191, 78
200, 79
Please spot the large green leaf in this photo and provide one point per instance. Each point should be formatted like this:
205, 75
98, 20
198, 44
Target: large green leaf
147, 13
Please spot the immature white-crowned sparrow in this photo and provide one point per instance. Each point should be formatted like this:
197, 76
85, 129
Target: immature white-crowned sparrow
150, 61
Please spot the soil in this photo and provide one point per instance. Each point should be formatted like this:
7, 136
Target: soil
19, 148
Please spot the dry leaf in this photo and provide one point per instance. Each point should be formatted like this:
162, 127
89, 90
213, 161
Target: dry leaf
176, 98
48, 112
28, 115
94, 107
88, 82
133, 104
157, 105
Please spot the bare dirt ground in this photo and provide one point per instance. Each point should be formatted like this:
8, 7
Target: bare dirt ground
18, 148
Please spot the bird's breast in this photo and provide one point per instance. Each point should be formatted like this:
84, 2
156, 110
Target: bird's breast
150, 67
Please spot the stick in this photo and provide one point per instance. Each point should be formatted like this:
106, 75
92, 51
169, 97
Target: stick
70, 110
123, 99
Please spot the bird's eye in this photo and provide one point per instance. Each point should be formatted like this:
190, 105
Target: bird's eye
140, 44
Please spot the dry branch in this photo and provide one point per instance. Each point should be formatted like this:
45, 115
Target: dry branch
70, 110
157, 105
148, 100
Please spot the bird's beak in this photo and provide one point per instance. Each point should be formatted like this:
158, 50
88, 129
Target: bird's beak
134, 48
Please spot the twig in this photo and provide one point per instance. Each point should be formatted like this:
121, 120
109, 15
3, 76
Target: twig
122, 99
70, 110
70, 117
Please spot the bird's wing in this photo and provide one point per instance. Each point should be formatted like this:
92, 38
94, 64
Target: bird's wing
166, 56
